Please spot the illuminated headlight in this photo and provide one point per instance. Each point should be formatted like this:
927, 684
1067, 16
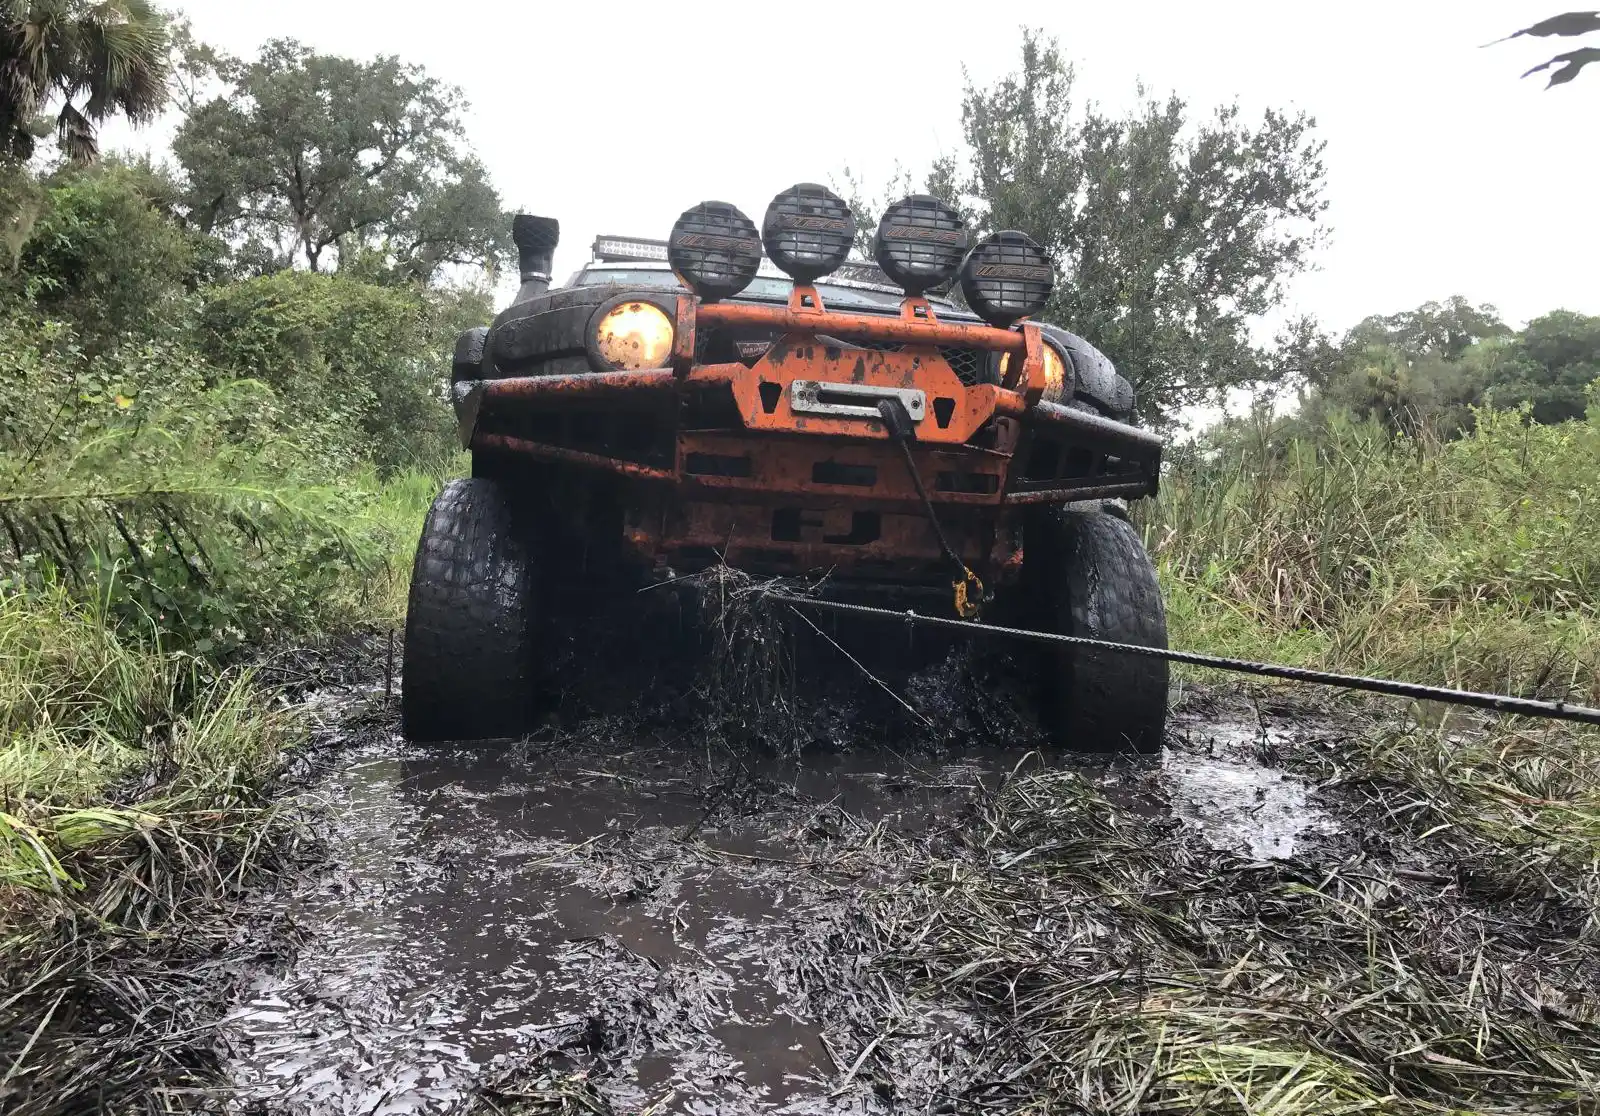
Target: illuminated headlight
714, 250
1057, 382
1007, 276
808, 231
920, 242
634, 335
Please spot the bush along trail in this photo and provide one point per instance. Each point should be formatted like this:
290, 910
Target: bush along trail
175, 531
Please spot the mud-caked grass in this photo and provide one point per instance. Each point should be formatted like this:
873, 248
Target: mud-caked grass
1516, 801
1102, 959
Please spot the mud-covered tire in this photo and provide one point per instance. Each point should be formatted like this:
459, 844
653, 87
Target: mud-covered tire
1086, 573
471, 624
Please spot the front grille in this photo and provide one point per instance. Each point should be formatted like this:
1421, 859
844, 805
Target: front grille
971, 365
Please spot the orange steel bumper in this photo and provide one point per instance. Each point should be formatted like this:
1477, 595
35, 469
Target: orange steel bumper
825, 490
816, 345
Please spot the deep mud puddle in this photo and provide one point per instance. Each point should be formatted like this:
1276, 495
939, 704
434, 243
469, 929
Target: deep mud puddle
663, 912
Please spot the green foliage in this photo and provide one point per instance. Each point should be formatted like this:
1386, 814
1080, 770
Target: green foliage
1430, 367
83, 707
135, 795
96, 57
307, 153
203, 460
105, 253
199, 504
1444, 330
1474, 561
366, 359
1172, 234
1551, 369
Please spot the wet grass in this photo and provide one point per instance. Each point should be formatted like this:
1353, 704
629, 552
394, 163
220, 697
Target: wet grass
1521, 801
1473, 562
135, 800
1115, 965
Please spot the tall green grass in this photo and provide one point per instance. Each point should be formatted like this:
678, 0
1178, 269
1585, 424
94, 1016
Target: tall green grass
140, 757
1473, 562
118, 760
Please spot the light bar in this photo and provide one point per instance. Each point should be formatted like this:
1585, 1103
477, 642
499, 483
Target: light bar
638, 249
614, 249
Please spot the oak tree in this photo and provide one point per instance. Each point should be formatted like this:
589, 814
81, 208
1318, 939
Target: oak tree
325, 160
1173, 234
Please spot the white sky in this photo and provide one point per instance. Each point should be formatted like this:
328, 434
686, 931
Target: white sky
1447, 174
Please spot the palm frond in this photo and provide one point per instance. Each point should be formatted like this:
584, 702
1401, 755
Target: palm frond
1575, 60
114, 51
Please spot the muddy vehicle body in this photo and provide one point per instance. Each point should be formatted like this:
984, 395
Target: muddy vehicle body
757, 399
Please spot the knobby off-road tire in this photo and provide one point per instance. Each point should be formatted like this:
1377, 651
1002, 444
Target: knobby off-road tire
1086, 573
473, 621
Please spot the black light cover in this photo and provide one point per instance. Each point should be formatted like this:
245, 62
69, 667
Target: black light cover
808, 231
920, 242
714, 249
1007, 276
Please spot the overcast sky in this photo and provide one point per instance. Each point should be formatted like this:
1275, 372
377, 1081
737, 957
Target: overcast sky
1446, 173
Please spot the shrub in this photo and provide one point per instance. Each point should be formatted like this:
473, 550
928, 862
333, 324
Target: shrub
220, 514
105, 253
373, 359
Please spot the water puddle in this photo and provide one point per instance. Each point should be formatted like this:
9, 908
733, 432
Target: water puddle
645, 906
1234, 802
483, 908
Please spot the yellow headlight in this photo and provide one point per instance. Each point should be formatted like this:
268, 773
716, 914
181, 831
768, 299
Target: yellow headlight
635, 335
1055, 374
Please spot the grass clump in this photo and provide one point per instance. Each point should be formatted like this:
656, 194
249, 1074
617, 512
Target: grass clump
135, 796
1518, 801
1473, 562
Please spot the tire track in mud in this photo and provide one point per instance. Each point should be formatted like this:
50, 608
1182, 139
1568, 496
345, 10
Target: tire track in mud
673, 919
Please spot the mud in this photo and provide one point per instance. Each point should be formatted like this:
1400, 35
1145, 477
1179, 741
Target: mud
666, 915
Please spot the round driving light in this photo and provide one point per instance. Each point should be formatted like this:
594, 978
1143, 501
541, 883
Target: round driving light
920, 242
808, 231
1006, 277
714, 249
634, 335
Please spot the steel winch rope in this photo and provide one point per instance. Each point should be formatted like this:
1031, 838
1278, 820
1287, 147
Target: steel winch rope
1499, 703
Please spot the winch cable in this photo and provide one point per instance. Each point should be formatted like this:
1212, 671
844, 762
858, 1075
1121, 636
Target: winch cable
1499, 703
968, 589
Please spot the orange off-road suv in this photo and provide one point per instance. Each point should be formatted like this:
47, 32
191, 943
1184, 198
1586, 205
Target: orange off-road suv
756, 398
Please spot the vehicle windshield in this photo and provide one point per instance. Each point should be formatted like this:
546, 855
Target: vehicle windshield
761, 289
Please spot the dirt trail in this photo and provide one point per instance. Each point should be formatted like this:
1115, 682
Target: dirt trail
671, 917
